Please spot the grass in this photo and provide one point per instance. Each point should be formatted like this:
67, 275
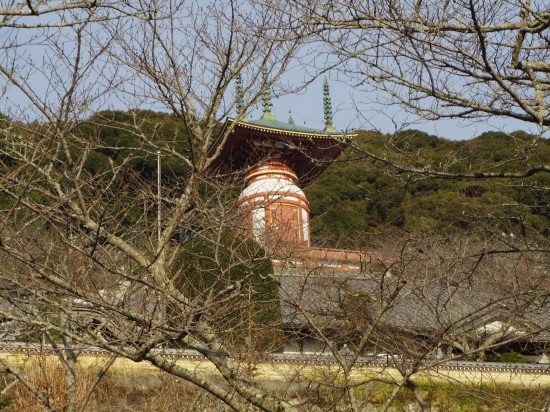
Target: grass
120, 391
457, 397
443, 396
115, 393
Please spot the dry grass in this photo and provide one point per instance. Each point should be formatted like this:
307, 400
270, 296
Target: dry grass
48, 377
115, 392
167, 395
150, 391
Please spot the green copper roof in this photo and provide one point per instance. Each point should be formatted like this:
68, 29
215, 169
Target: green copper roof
277, 124
268, 119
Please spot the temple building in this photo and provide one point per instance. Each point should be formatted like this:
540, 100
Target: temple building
278, 159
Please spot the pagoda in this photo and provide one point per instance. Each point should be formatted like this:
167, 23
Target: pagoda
277, 159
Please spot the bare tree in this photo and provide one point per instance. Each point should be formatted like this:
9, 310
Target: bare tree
459, 59
438, 301
24, 15
87, 260
86, 256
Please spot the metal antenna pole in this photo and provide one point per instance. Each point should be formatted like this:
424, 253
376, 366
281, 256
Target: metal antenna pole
159, 229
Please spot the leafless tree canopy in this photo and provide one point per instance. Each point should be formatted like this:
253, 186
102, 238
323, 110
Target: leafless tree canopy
78, 230
452, 59
84, 260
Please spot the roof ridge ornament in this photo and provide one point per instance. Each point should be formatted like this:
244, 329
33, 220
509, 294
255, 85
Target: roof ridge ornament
240, 97
266, 96
290, 119
327, 104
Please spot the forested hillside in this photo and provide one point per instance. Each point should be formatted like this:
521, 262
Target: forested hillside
359, 195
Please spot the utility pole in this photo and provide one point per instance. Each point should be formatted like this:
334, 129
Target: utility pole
159, 200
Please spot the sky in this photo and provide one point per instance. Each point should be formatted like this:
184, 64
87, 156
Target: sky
353, 109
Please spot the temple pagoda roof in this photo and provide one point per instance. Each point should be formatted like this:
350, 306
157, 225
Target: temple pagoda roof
307, 151
244, 143
283, 126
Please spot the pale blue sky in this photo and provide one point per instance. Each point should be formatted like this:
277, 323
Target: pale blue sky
352, 109
307, 107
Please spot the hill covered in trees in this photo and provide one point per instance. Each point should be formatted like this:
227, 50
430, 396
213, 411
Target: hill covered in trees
382, 182
385, 183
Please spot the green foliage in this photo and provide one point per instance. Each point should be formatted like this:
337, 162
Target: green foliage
415, 139
358, 195
473, 191
352, 198
131, 136
456, 397
438, 394
4, 401
96, 163
511, 357
212, 265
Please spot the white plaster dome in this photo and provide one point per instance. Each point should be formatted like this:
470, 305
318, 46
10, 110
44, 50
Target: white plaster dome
272, 185
276, 211
273, 179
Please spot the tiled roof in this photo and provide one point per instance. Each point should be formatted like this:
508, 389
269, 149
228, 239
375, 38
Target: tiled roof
416, 306
277, 124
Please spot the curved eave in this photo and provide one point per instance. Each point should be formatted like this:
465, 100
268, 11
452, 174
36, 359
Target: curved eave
287, 132
308, 153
